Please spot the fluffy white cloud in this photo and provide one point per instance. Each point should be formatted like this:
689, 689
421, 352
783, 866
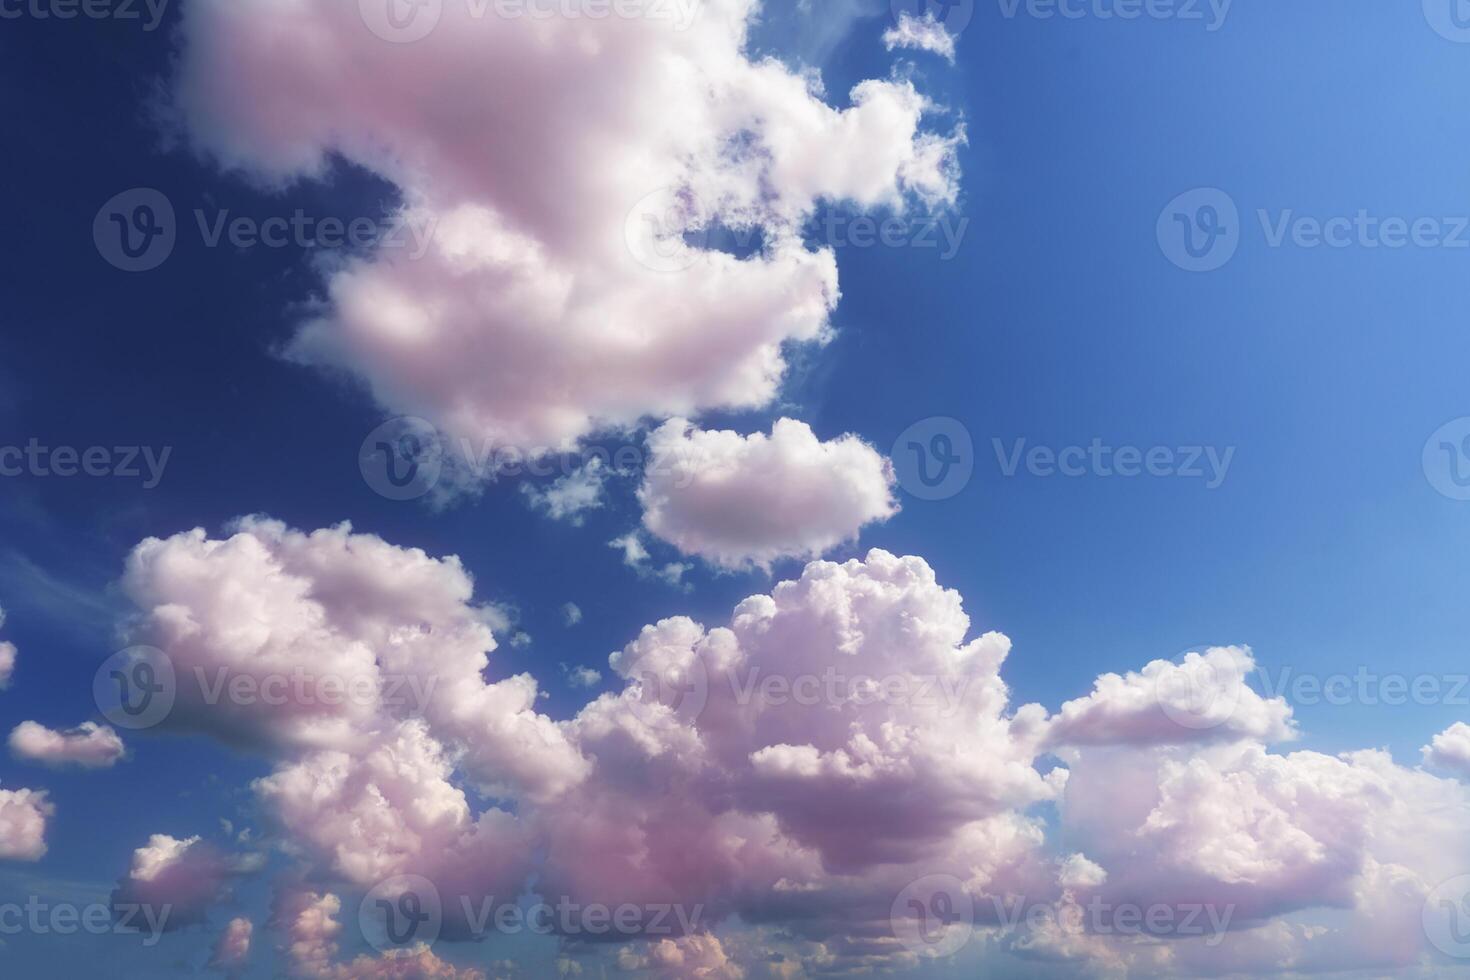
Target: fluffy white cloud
1450, 750
1204, 697
741, 500
180, 880
233, 947
7, 658
23, 816
922, 33
557, 298
91, 746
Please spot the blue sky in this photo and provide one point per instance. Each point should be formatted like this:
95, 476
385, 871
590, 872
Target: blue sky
1059, 320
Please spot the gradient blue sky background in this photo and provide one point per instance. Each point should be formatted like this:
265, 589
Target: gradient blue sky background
1059, 320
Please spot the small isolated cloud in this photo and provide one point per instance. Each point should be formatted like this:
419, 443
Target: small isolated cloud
924, 34
7, 658
179, 880
569, 497
572, 613
582, 677
740, 501
23, 816
233, 947
1450, 750
636, 557
90, 745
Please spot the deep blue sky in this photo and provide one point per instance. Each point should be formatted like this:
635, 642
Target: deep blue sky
1059, 320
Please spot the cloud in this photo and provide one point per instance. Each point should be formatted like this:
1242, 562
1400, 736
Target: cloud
91, 746
179, 880
7, 658
233, 947
23, 816
1205, 697
557, 299
636, 557
583, 677
569, 497
924, 34
1450, 750
739, 500
572, 613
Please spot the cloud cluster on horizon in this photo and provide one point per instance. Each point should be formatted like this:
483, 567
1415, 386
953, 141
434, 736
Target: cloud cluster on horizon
791, 772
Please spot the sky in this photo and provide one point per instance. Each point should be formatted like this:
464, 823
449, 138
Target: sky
801, 281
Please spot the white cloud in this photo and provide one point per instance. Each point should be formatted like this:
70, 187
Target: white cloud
739, 500
924, 34
556, 299
1450, 750
584, 677
91, 746
179, 880
232, 948
1204, 697
569, 497
571, 613
23, 816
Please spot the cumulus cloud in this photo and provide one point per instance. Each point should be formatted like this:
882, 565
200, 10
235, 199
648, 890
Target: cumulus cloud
556, 299
91, 746
1204, 697
793, 773
747, 500
1450, 750
921, 33
571, 613
233, 947
583, 677
7, 658
23, 816
308, 919
179, 880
